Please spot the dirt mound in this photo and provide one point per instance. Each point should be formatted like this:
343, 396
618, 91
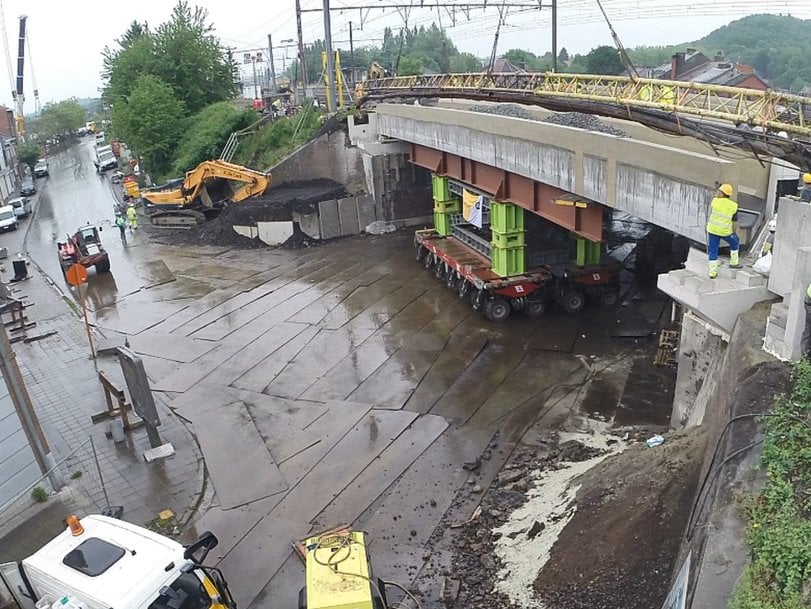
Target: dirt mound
277, 205
620, 548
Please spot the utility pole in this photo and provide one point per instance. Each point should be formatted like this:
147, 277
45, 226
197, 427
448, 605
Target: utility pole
302, 60
25, 410
554, 35
351, 55
330, 75
273, 86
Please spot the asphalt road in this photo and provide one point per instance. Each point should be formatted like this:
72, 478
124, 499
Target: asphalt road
338, 384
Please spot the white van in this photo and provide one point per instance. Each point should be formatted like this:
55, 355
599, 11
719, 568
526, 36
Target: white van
99, 137
22, 207
8, 219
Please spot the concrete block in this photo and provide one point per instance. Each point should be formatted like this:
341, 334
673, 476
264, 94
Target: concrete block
680, 276
309, 224
247, 231
366, 210
749, 278
274, 233
348, 216
161, 452
329, 219
793, 232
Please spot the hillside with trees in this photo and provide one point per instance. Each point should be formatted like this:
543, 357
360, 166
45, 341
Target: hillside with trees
777, 46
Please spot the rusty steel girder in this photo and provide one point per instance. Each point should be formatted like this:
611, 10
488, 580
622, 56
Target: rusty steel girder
582, 217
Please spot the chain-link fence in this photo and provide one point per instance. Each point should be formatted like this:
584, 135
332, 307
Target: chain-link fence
73, 486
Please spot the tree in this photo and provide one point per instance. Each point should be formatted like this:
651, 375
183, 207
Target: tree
151, 121
410, 66
563, 56
207, 133
465, 62
28, 153
604, 60
182, 52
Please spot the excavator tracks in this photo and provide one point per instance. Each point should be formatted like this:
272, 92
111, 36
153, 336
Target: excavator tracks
179, 218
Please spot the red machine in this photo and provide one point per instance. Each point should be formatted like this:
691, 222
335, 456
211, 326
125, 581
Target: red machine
84, 247
470, 274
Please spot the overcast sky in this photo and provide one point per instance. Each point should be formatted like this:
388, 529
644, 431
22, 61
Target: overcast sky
67, 38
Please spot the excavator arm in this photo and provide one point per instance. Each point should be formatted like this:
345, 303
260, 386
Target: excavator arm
189, 193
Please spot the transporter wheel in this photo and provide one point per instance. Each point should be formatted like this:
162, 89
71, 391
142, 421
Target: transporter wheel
572, 301
452, 280
440, 270
103, 266
421, 252
464, 288
428, 261
497, 309
535, 308
608, 298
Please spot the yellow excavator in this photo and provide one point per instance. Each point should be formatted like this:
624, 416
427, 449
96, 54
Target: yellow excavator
202, 193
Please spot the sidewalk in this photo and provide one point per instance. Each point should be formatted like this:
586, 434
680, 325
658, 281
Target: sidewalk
62, 381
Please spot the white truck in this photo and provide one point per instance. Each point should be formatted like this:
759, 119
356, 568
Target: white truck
105, 159
103, 563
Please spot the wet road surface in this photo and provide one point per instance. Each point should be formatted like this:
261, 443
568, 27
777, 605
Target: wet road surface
338, 384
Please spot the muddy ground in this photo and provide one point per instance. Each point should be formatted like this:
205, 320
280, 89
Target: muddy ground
618, 549
278, 204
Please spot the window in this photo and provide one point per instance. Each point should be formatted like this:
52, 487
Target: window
93, 556
6, 215
186, 592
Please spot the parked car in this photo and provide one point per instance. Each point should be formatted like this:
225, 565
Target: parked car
22, 206
41, 168
28, 189
8, 219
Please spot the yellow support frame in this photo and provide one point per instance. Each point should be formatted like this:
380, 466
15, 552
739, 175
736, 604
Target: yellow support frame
772, 110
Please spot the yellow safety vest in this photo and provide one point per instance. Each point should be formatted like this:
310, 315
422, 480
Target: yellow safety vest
720, 221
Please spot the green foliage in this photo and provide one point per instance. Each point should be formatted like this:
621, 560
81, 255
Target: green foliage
278, 139
777, 46
409, 51
530, 61
780, 516
150, 121
39, 494
28, 152
563, 56
755, 591
183, 52
410, 66
207, 132
59, 119
465, 62
604, 60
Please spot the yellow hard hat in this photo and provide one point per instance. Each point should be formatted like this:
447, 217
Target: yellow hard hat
807, 178
726, 189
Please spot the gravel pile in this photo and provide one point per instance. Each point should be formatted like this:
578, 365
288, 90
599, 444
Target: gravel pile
513, 110
587, 122
583, 121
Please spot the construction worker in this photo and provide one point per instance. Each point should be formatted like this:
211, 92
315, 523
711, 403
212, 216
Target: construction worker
720, 225
121, 223
132, 216
805, 195
768, 244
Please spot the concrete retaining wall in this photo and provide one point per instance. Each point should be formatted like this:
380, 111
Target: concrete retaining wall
329, 156
338, 217
727, 380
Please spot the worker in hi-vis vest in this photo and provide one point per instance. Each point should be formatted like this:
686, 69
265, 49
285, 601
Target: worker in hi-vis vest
720, 225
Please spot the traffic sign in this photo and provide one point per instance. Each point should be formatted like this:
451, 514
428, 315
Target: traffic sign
76, 275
